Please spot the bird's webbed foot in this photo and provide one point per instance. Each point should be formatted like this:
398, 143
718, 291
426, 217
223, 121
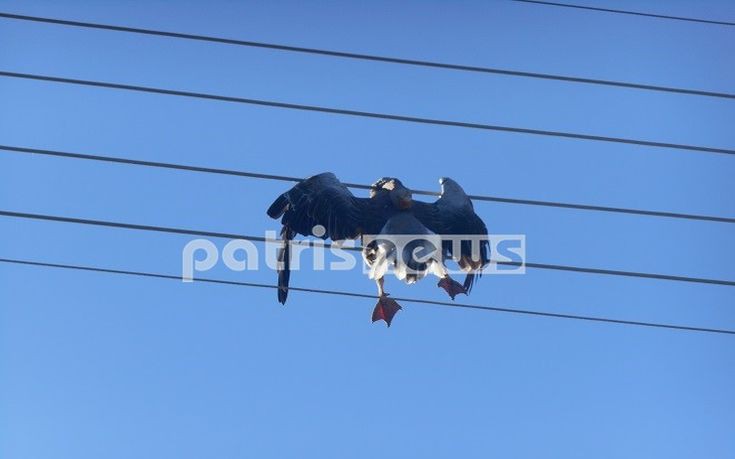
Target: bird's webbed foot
451, 286
385, 309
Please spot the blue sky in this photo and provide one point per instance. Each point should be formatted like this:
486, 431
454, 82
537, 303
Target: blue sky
99, 365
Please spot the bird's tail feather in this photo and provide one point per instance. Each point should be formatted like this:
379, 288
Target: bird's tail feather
475, 266
469, 281
284, 264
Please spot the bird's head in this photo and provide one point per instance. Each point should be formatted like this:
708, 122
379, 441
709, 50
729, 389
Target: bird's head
400, 196
380, 186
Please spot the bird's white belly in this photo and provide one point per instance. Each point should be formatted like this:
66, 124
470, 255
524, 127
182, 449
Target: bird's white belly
411, 257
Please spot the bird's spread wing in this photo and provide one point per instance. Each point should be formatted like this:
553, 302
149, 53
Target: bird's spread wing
324, 200
449, 218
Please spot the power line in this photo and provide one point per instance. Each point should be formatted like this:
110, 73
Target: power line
363, 114
362, 295
192, 232
369, 57
238, 173
634, 13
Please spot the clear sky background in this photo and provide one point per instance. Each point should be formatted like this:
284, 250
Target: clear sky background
96, 365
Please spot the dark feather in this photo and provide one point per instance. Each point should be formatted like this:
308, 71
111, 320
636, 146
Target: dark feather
284, 264
279, 206
323, 200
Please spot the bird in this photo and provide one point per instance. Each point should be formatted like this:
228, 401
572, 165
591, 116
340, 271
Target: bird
388, 214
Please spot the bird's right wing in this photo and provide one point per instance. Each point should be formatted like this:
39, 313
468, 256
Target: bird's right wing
449, 220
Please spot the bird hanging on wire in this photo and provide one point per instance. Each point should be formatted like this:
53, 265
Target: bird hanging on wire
412, 237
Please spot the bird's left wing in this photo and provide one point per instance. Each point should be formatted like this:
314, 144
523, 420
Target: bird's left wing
323, 200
